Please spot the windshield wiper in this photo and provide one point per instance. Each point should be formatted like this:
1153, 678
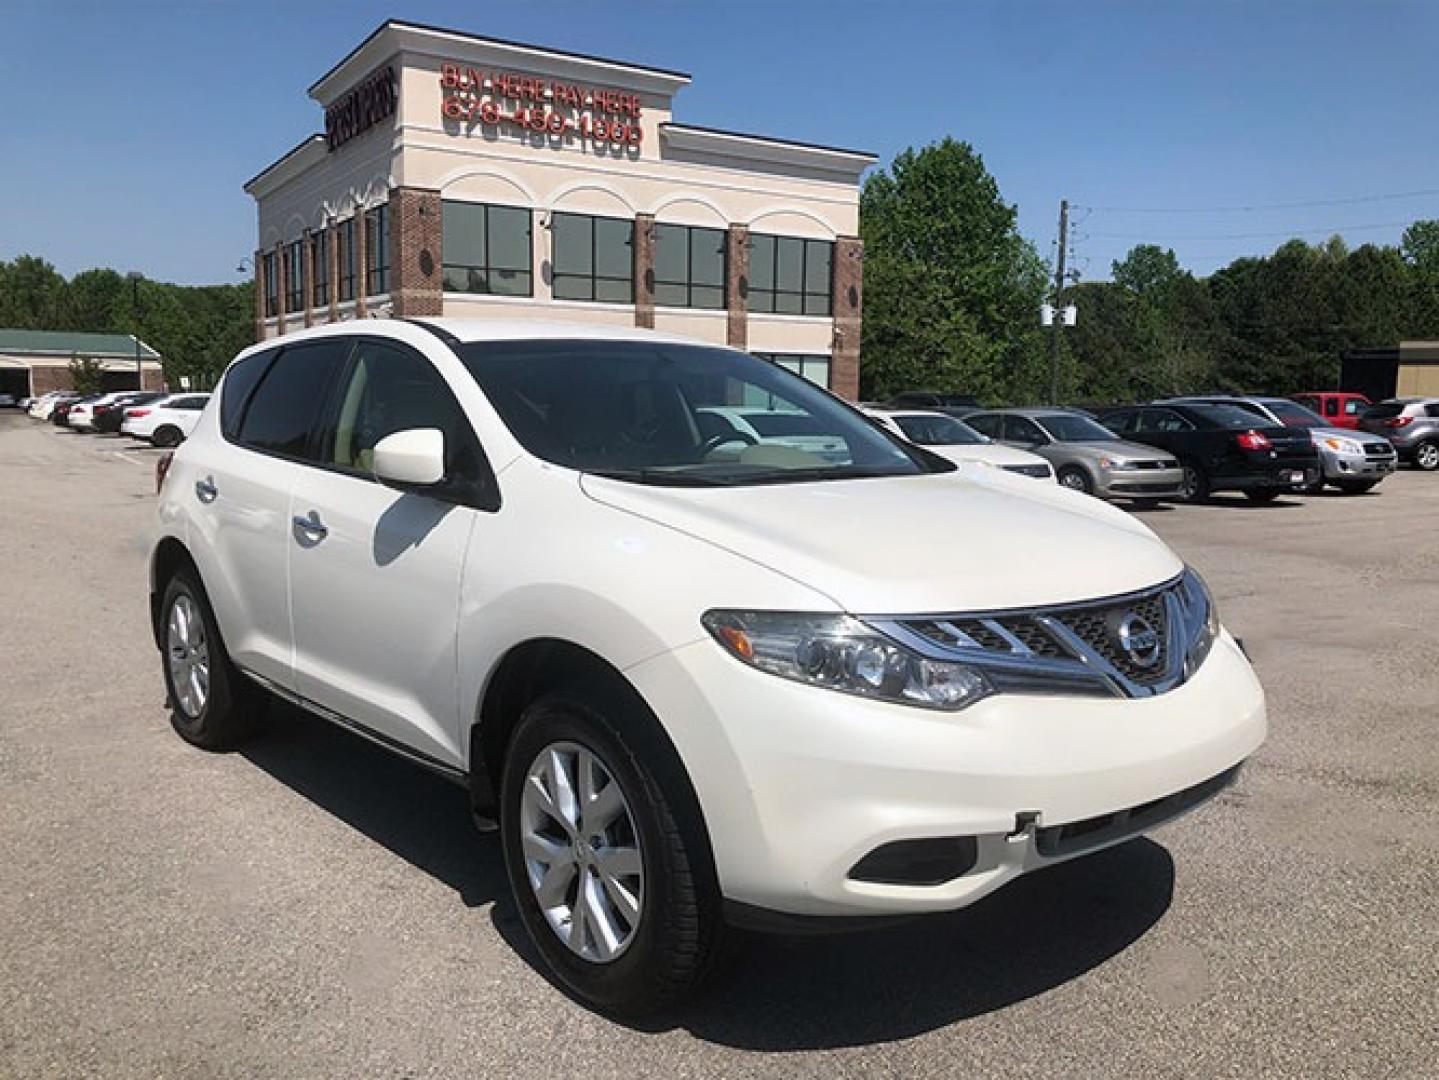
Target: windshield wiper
663, 477
816, 472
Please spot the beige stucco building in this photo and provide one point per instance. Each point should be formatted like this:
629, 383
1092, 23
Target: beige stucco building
464, 176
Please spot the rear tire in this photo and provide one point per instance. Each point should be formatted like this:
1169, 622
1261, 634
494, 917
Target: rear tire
212, 705
1076, 479
167, 436
628, 924
1426, 456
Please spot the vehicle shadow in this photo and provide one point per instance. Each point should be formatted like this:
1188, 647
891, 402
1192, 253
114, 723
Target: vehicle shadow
1239, 501
417, 815
776, 993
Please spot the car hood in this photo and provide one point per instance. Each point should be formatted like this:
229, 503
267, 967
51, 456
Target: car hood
1116, 449
989, 453
978, 539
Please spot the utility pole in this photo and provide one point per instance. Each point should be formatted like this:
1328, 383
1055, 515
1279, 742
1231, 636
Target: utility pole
1058, 302
135, 277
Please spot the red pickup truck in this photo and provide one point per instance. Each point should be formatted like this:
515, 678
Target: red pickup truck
1340, 408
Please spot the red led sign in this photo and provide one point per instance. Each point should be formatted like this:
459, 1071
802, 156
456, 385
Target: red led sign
543, 106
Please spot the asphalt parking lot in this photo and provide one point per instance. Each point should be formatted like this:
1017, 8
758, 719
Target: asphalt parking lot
312, 908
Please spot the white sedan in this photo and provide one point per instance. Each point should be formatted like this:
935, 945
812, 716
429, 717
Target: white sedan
167, 422
958, 442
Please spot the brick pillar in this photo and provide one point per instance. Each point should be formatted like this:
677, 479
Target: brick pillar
644, 253
307, 276
737, 285
280, 296
362, 273
846, 303
416, 232
259, 295
332, 254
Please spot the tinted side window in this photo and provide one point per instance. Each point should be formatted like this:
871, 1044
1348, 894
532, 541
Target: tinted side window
1331, 406
390, 388
284, 407
1018, 429
1431, 410
240, 383
985, 425
1119, 421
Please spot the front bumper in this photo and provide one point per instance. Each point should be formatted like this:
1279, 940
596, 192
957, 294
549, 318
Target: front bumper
1139, 483
1342, 466
798, 784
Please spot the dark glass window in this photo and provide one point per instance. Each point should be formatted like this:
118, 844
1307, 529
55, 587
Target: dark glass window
320, 254
790, 276
689, 266
240, 382
487, 249
282, 411
347, 259
377, 249
272, 286
294, 277
813, 368
391, 388
593, 258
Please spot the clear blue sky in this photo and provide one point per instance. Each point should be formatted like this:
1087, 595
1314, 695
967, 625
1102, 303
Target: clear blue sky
129, 127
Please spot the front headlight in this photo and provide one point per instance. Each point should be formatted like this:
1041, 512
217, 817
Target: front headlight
841, 653
1202, 618
1343, 446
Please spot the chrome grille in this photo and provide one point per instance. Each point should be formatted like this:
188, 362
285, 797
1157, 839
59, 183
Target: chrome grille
1069, 648
1095, 627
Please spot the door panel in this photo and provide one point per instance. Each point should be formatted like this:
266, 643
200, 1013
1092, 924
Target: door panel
375, 572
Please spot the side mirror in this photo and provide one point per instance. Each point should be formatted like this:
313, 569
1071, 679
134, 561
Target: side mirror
414, 458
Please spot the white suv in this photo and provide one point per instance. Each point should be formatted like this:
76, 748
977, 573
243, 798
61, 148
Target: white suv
693, 678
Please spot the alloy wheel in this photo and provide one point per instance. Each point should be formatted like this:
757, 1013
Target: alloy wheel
189, 656
1427, 456
582, 851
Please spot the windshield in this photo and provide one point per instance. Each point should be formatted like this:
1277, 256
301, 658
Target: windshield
688, 415
938, 431
1071, 427
1227, 416
1292, 415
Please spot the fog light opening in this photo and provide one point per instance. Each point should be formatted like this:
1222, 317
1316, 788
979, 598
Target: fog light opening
931, 861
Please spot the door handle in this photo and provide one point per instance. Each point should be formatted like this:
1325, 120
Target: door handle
311, 525
205, 490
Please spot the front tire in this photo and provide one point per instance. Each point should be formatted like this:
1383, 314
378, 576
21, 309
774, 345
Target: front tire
603, 876
1076, 479
211, 704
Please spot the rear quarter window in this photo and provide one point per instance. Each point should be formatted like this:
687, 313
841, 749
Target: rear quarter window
240, 382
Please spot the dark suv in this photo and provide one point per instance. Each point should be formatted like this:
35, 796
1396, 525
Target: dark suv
951, 404
1411, 425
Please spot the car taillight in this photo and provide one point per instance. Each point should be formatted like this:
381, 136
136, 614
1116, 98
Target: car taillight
1252, 440
1398, 421
135, 414
162, 469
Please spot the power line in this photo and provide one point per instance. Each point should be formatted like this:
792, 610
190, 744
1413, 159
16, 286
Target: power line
1259, 235
1253, 207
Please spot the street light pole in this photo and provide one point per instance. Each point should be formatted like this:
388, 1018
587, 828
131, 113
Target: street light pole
134, 277
1058, 302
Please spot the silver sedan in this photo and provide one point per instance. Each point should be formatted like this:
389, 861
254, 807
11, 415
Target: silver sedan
1086, 455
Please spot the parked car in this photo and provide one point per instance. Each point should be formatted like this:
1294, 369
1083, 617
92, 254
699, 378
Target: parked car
82, 412
106, 419
1340, 408
1221, 448
958, 442
1350, 460
60, 413
509, 553
739, 427
42, 406
1086, 455
1411, 426
950, 404
165, 422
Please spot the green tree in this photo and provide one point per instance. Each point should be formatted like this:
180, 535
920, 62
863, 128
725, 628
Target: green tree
1147, 269
86, 374
1420, 246
952, 291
